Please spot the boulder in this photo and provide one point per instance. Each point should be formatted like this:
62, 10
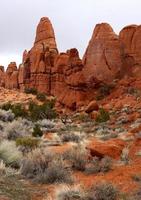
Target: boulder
112, 148
92, 106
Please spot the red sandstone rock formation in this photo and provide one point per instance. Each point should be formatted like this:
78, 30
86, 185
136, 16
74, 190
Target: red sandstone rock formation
37, 63
130, 37
11, 76
2, 77
64, 75
72, 82
103, 57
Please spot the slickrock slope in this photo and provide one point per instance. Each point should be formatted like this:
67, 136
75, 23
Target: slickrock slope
74, 81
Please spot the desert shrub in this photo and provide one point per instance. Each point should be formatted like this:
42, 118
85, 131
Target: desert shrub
46, 124
134, 91
135, 196
37, 132
6, 106
45, 167
30, 91
93, 166
106, 164
70, 137
34, 163
18, 128
6, 116
104, 191
78, 158
55, 173
26, 144
41, 97
136, 177
9, 153
44, 111
96, 165
103, 116
83, 117
70, 193
19, 111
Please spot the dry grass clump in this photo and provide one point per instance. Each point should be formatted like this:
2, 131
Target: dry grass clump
103, 191
70, 193
78, 157
97, 165
55, 173
45, 167
70, 137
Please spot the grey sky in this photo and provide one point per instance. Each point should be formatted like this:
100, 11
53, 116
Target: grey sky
73, 22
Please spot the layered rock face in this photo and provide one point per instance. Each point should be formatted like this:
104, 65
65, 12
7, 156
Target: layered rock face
50, 72
64, 75
35, 70
68, 82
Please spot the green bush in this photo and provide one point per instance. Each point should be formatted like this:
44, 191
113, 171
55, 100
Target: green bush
41, 97
19, 111
7, 106
44, 111
27, 142
30, 91
103, 116
37, 132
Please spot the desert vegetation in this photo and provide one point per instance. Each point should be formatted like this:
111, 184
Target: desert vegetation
39, 146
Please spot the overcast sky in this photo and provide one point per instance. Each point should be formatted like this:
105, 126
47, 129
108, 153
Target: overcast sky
73, 22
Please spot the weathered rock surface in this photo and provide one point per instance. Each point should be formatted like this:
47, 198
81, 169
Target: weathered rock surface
92, 106
130, 37
112, 148
74, 82
70, 85
103, 57
2, 76
11, 76
37, 63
